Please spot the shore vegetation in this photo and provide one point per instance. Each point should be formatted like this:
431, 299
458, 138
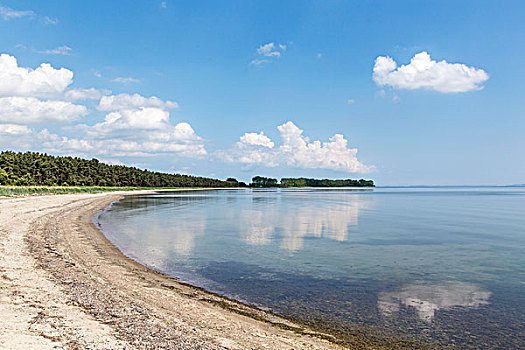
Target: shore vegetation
40, 169
10, 191
266, 182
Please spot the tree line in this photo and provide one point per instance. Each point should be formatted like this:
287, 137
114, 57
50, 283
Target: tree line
40, 169
261, 182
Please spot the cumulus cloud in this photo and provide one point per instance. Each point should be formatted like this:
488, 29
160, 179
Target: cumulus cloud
133, 126
144, 118
30, 110
424, 73
267, 52
13, 129
44, 81
296, 151
126, 101
8, 13
252, 138
141, 126
117, 147
22, 90
85, 94
143, 131
62, 144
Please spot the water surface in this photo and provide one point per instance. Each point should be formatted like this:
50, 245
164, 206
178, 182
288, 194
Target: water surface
440, 265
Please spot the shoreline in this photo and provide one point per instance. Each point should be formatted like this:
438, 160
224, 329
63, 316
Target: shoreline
126, 304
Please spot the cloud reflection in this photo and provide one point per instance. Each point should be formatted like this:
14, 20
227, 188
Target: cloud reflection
294, 223
157, 243
427, 299
256, 227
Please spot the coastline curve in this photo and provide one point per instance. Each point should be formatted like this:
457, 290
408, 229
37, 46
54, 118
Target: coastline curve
145, 308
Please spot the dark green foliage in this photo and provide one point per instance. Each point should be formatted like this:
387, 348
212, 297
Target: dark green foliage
38, 169
4, 177
236, 183
304, 182
259, 182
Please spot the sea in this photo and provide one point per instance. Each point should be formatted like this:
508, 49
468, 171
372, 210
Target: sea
443, 267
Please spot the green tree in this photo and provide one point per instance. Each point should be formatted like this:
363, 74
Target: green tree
259, 182
4, 177
32, 168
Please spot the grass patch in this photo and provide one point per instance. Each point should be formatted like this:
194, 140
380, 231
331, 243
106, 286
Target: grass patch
10, 191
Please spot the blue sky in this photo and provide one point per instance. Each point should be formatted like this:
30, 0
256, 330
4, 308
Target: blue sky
234, 69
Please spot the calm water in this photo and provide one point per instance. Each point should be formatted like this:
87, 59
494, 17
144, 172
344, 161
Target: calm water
445, 265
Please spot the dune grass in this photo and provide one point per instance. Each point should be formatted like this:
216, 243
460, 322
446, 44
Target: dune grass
10, 191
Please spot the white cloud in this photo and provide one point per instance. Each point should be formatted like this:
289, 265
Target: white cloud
126, 101
333, 154
258, 62
191, 146
61, 50
13, 129
268, 51
252, 138
164, 4
85, 94
134, 126
141, 126
143, 131
29, 110
350, 101
296, 151
425, 73
62, 144
7, 13
49, 20
125, 80
21, 88
43, 81
127, 119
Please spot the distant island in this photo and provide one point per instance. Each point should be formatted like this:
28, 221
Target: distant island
40, 169
261, 182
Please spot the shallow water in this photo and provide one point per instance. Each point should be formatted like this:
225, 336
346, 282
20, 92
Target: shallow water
440, 265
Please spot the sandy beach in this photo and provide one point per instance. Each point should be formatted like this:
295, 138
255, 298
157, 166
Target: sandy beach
63, 285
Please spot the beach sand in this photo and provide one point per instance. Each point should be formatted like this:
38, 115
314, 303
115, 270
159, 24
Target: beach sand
63, 285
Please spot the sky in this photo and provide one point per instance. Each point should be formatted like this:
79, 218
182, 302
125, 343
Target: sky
401, 92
